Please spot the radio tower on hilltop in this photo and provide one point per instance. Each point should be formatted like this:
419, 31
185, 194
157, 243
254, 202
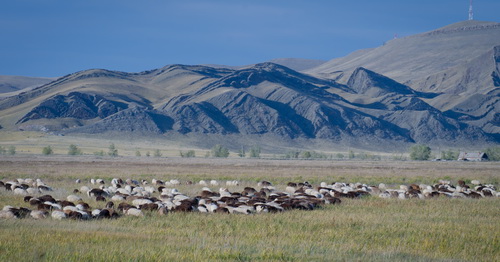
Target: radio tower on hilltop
471, 12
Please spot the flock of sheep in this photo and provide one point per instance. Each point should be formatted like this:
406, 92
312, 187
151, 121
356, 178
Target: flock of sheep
134, 198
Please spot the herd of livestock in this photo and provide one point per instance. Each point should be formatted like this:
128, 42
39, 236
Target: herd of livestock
136, 198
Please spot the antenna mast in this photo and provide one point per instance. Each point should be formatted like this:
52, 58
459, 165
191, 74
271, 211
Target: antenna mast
471, 12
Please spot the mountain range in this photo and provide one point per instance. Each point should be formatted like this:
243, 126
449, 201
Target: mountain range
439, 87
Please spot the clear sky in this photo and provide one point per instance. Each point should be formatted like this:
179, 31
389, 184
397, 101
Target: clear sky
54, 38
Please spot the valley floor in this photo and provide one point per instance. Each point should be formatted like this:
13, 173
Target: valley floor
368, 229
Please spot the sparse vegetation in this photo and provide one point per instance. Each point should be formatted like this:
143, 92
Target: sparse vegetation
148, 154
420, 152
292, 154
47, 150
340, 156
11, 150
74, 150
137, 153
351, 154
241, 152
493, 153
157, 153
449, 155
187, 154
112, 151
255, 152
99, 153
219, 151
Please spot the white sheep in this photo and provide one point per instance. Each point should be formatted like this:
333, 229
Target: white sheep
140, 201
33, 191
38, 214
59, 215
7, 214
73, 198
134, 212
20, 191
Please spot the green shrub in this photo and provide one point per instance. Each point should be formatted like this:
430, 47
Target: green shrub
493, 153
189, 153
157, 153
99, 153
11, 150
351, 154
255, 152
112, 151
74, 150
137, 153
241, 152
420, 152
449, 155
47, 150
220, 151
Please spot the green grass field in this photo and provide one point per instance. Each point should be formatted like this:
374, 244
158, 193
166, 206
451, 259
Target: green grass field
368, 229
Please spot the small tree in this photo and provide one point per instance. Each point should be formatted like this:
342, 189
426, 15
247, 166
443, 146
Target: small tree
189, 153
493, 153
292, 154
11, 150
137, 153
220, 151
157, 153
306, 154
47, 150
449, 155
112, 151
99, 153
255, 152
340, 156
241, 152
351, 154
74, 150
420, 152
148, 154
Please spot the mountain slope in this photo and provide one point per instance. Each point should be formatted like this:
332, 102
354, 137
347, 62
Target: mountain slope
415, 57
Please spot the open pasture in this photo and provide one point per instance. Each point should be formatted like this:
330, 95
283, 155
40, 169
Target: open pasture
369, 228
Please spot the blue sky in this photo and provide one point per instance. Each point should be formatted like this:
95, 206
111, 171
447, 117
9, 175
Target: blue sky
55, 38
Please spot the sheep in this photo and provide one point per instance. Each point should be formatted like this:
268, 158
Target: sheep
39, 214
59, 215
7, 214
214, 183
134, 212
20, 191
97, 192
73, 198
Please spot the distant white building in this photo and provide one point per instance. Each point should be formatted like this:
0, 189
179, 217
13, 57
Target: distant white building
472, 156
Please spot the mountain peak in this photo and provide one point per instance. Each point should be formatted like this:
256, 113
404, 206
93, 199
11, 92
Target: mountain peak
467, 25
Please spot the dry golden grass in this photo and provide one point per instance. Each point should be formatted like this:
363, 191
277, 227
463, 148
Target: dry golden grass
368, 229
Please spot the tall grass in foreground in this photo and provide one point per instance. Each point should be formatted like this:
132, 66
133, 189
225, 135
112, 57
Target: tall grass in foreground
364, 229
368, 229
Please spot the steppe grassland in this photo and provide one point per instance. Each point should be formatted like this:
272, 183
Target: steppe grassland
362, 229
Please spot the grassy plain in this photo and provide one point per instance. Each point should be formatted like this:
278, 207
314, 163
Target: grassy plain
368, 229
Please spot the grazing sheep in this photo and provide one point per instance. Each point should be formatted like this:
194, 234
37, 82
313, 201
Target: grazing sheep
73, 198
134, 212
39, 214
59, 215
7, 214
